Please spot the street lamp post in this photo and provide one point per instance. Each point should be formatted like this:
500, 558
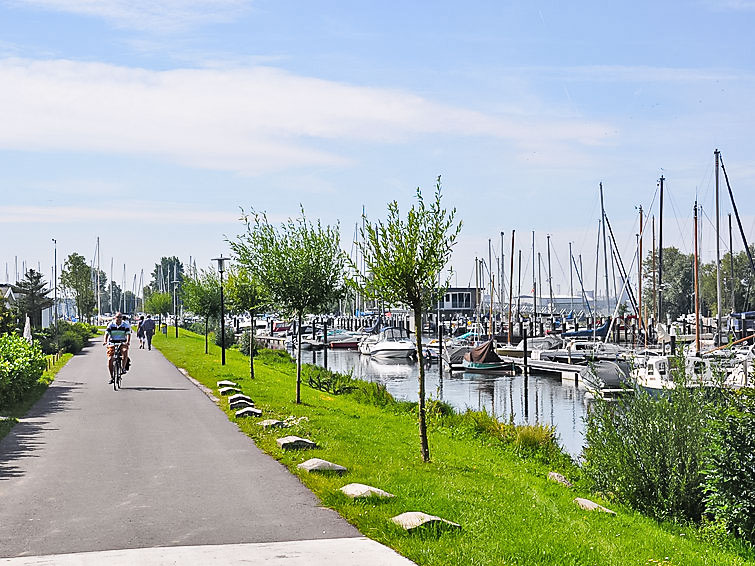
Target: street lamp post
221, 268
55, 289
176, 283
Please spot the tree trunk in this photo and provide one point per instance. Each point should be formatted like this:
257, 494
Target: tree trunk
206, 325
251, 346
424, 447
298, 360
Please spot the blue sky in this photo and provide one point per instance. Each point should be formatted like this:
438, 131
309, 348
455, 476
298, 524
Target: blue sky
149, 124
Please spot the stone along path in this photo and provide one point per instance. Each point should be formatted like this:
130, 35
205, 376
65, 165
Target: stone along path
155, 465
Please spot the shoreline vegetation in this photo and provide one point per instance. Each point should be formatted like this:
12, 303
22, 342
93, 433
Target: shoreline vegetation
11, 413
487, 476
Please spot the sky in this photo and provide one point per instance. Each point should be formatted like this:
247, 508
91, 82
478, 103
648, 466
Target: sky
153, 125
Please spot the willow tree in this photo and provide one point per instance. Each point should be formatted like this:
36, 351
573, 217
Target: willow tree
403, 261
245, 293
300, 264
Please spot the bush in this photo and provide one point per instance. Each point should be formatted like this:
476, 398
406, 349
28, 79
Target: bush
730, 478
329, 381
244, 341
71, 342
230, 338
648, 451
21, 366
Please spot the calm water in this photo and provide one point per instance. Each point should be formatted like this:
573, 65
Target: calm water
542, 399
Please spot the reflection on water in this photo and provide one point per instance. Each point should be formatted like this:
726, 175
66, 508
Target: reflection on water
539, 399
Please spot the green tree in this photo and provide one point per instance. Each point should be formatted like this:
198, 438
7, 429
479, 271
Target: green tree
32, 297
201, 295
300, 264
168, 270
159, 303
8, 317
77, 278
245, 293
404, 260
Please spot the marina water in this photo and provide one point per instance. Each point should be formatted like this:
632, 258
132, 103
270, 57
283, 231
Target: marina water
539, 399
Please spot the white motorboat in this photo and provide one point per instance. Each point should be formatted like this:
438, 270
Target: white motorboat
391, 342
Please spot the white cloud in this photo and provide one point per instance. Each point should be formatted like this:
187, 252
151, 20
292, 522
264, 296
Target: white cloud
246, 120
152, 15
149, 213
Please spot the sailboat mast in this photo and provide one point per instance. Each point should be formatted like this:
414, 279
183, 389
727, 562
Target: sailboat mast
550, 279
511, 283
640, 317
490, 281
571, 281
731, 263
605, 249
718, 259
534, 282
697, 291
660, 252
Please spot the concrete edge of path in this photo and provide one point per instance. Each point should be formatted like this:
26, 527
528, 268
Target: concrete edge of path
325, 552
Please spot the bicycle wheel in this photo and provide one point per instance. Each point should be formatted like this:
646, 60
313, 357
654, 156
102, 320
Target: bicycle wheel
116, 374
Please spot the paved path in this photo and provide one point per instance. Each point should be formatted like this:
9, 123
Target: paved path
155, 464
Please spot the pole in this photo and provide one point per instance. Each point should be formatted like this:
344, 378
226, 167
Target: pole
640, 318
55, 290
571, 281
511, 283
605, 249
221, 268
660, 253
697, 291
718, 258
731, 263
550, 279
534, 282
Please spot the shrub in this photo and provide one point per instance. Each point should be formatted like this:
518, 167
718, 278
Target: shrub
71, 342
372, 393
329, 381
244, 341
730, 477
21, 366
230, 338
649, 450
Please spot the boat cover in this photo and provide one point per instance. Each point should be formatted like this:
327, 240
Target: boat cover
601, 331
483, 354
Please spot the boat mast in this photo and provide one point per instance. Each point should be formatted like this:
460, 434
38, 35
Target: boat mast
731, 263
501, 290
511, 282
519, 286
697, 291
534, 285
640, 317
571, 282
660, 252
655, 290
540, 278
490, 272
550, 279
718, 259
605, 249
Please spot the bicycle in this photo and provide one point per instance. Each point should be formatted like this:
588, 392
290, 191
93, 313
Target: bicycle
117, 367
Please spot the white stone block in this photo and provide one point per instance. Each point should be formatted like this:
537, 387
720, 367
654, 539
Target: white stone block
412, 520
357, 490
588, 505
249, 412
320, 465
295, 443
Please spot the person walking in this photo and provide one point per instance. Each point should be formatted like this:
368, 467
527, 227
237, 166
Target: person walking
148, 327
140, 332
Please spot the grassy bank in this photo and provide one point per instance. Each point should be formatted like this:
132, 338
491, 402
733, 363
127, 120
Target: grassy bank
509, 512
18, 410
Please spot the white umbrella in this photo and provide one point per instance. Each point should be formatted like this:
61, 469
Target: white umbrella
27, 329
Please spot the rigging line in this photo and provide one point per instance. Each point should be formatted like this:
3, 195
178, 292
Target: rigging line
721, 239
681, 232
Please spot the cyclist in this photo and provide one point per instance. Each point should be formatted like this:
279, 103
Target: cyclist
117, 335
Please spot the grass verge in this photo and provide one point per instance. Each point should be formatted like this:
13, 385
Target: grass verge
509, 512
17, 410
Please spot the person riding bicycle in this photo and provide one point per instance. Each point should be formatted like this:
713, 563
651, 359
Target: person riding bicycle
117, 335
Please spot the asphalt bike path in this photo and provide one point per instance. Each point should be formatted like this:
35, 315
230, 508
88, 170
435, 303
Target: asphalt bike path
155, 474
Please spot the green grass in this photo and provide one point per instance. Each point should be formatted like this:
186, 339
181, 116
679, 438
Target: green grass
18, 410
509, 512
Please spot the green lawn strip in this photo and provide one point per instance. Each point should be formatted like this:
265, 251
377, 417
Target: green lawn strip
18, 410
509, 512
